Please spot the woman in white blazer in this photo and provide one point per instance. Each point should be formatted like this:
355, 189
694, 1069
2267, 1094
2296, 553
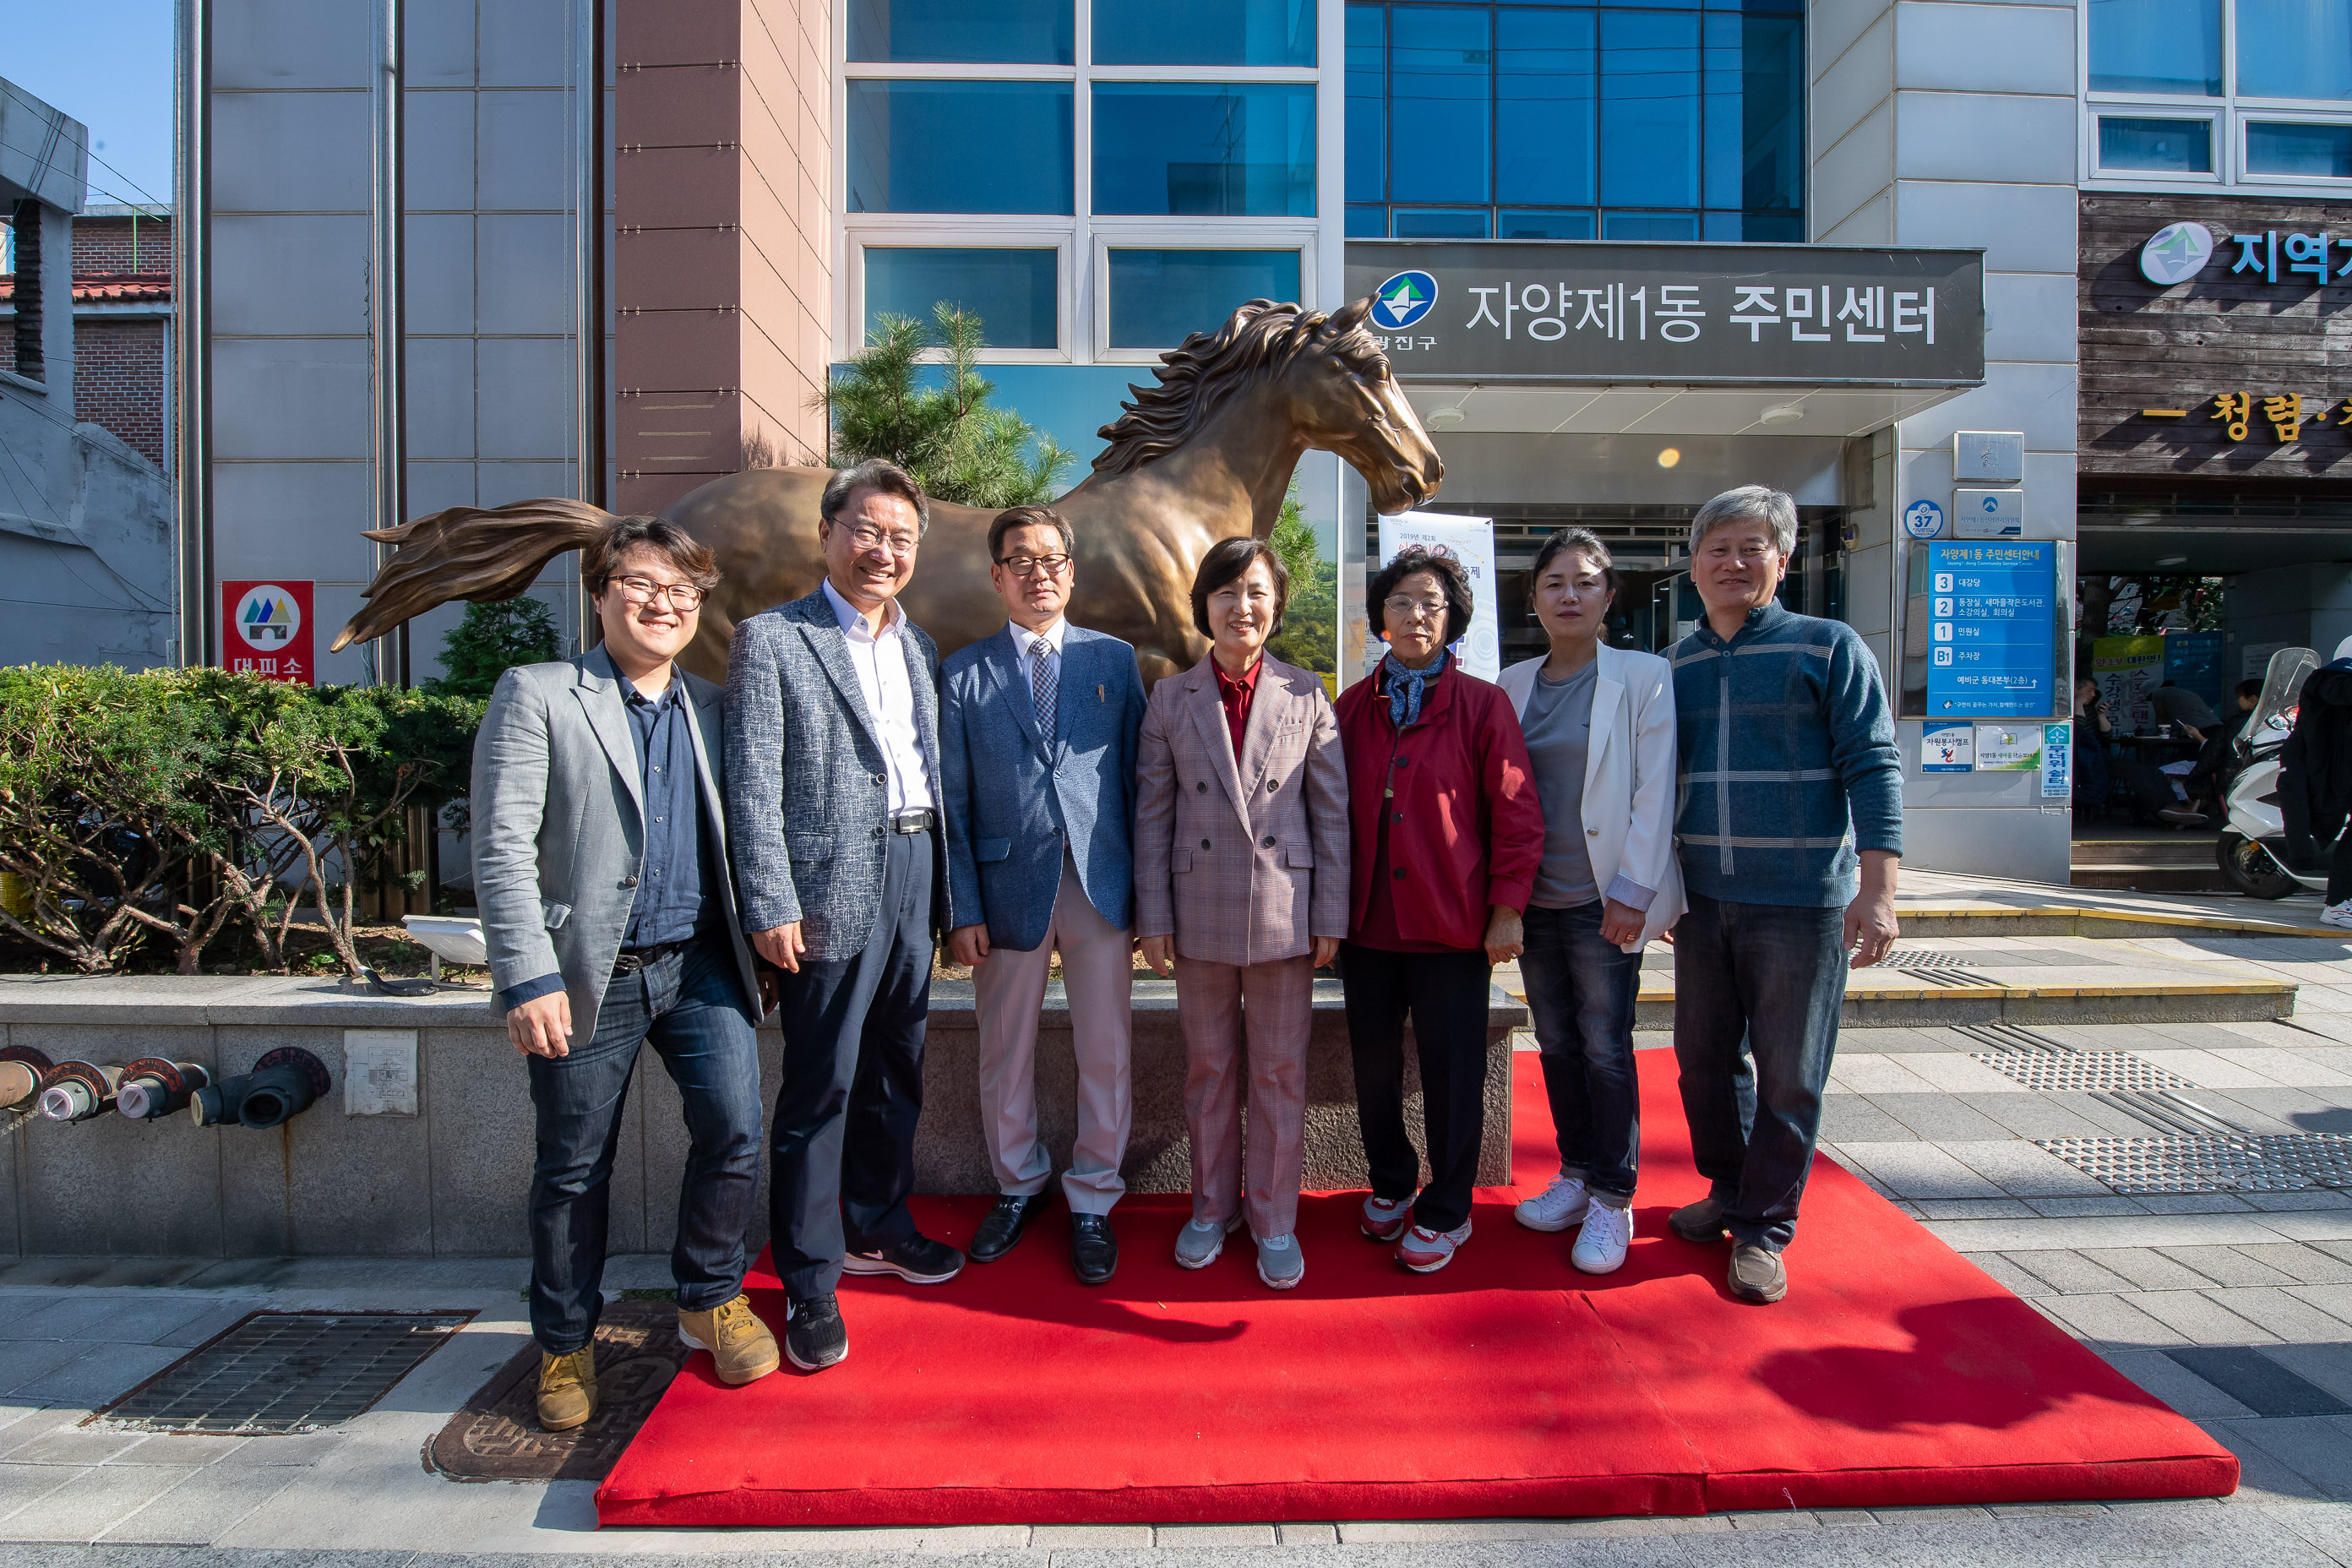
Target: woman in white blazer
1600, 728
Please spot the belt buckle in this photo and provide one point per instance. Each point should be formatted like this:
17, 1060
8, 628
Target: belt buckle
628, 963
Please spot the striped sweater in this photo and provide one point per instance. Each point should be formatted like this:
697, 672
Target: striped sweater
1788, 766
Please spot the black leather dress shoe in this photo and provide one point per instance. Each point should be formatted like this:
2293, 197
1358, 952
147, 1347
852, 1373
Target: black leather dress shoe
1005, 1224
1093, 1250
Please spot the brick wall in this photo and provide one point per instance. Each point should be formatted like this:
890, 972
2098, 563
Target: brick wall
107, 244
119, 379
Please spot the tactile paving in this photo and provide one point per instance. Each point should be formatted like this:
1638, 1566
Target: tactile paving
2280, 1162
2109, 1071
277, 1372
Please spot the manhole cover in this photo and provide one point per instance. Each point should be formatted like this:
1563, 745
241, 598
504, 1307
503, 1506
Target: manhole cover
497, 1435
284, 1371
2280, 1162
2092, 1070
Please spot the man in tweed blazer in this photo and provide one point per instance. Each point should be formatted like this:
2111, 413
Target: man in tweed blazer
833, 770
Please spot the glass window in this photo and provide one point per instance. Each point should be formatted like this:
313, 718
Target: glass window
1442, 223
1761, 228
1204, 33
2155, 146
960, 147
1368, 103
2157, 46
1011, 291
1543, 107
2287, 147
1159, 298
1367, 223
2294, 48
1006, 32
1649, 226
1221, 149
1649, 109
1440, 61
1544, 225
1755, 119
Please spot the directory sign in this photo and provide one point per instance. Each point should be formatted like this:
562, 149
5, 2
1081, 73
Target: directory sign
1993, 619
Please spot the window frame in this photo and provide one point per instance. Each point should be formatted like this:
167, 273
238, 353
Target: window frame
1248, 234
931, 233
2215, 117
2341, 119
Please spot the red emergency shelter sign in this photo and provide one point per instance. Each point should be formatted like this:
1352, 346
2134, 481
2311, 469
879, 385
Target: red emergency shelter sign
266, 630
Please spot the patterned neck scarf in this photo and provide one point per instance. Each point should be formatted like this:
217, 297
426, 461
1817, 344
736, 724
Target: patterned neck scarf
1407, 686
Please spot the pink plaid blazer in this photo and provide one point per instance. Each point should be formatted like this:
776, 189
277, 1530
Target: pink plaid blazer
1243, 860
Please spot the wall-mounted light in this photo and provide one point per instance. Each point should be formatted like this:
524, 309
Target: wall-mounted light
1781, 414
1443, 418
1669, 457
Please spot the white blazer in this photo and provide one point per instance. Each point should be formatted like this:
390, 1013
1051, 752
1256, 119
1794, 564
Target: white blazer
1629, 776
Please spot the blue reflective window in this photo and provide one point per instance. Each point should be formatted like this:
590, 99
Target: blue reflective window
1368, 103
2294, 48
1544, 225
1649, 109
2288, 147
1204, 33
960, 147
1543, 107
1011, 291
1367, 222
2155, 146
2157, 46
1767, 228
1001, 32
1223, 149
1754, 120
1649, 226
1159, 298
1442, 223
1441, 65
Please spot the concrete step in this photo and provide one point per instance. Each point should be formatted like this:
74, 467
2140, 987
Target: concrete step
2205, 878
2155, 849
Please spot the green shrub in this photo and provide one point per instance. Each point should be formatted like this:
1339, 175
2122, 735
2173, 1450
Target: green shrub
490, 640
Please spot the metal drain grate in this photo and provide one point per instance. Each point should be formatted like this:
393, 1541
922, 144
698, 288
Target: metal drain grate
2283, 1162
284, 1371
2093, 1070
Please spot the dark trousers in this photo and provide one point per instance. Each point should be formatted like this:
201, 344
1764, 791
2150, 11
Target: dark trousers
1580, 990
689, 1006
2339, 869
1757, 993
844, 1132
1445, 995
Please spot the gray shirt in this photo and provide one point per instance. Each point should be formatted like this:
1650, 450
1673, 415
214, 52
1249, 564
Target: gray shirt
1557, 724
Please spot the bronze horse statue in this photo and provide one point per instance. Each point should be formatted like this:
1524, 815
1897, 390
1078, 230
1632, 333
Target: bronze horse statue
1205, 455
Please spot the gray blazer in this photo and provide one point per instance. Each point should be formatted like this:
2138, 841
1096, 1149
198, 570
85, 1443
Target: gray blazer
559, 825
805, 786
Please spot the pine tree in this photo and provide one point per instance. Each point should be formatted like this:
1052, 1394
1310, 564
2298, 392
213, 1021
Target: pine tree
489, 640
1310, 625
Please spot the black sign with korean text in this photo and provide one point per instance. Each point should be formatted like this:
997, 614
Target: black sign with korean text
1600, 311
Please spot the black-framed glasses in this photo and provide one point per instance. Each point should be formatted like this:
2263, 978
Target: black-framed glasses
645, 591
1029, 565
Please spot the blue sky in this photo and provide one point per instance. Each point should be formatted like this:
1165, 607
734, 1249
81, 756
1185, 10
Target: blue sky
109, 67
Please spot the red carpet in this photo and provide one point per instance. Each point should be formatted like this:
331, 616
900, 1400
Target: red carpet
1895, 1372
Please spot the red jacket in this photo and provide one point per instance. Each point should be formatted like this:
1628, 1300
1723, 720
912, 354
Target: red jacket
1466, 828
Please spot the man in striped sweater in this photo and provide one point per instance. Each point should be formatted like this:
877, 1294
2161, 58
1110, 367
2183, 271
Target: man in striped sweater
1788, 828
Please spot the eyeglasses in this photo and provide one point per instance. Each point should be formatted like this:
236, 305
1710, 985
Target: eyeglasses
1029, 565
866, 536
645, 591
1407, 609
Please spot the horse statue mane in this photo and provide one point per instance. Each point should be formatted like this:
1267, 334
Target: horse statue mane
1196, 377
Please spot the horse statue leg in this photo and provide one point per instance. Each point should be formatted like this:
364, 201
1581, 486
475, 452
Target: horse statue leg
484, 554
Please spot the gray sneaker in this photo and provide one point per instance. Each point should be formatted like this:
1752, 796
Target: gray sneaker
1701, 1222
1280, 1264
1198, 1244
1757, 1273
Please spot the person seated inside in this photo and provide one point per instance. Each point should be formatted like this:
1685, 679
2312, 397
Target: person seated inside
2217, 760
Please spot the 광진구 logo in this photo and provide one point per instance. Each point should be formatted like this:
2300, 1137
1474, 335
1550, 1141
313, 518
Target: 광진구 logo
1402, 300
2175, 253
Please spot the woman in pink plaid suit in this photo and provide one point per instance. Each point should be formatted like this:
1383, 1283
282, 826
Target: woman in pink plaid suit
1241, 885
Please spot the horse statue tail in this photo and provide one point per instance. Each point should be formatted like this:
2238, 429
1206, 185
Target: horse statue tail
484, 554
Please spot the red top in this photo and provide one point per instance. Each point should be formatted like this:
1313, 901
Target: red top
1443, 818
1236, 695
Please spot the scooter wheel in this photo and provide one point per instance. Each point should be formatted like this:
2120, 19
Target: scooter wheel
2251, 869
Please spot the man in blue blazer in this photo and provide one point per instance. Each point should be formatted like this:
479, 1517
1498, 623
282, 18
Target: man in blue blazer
1037, 742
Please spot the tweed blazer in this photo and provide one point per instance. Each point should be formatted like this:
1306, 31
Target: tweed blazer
1013, 803
559, 825
806, 787
1242, 859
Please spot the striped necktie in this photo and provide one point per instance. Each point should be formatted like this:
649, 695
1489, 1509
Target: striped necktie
1041, 686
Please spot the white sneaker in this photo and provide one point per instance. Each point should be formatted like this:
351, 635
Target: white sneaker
1200, 1242
1556, 1208
1600, 1246
2337, 914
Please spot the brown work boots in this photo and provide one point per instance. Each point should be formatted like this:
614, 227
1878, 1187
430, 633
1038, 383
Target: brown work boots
567, 1388
737, 1339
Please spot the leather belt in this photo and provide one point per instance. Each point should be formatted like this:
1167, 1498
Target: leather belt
638, 958
921, 821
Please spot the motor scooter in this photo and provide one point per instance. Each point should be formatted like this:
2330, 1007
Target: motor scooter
2251, 851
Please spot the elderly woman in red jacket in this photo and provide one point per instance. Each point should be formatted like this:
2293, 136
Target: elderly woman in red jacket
1447, 834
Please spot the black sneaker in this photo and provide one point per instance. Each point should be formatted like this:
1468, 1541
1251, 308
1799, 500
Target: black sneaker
918, 1260
1005, 1224
814, 1337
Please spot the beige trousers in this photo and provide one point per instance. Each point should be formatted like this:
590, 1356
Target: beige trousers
1272, 1007
1008, 992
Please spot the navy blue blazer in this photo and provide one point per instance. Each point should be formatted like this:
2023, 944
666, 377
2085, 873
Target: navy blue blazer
1013, 803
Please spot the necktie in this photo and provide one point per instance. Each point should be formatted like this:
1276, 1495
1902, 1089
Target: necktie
1041, 686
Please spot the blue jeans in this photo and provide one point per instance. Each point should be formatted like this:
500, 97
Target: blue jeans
690, 1007
1757, 993
1581, 991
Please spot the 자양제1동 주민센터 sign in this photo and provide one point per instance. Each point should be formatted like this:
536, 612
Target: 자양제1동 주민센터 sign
1992, 629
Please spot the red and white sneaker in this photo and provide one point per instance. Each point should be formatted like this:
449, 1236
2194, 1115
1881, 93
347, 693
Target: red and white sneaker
1385, 1219
1425, 1251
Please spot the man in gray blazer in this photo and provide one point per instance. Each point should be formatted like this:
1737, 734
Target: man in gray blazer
600, 866
1037, 730
832, 768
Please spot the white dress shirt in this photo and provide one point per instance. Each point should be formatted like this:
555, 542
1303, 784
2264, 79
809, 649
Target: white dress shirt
880, 660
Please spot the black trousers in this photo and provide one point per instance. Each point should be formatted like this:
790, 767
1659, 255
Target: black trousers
1446, 995
843, 1138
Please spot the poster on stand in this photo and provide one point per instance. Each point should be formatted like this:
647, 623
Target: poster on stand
2128, 669
1470, 541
